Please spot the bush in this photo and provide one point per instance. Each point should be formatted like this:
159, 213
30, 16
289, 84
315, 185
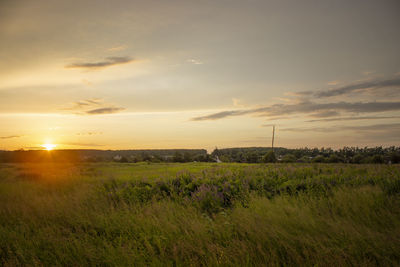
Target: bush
391, 187
394, 157
358, 158
334, 159
269, 157
318, 159
289, 158
376, 159
208, 198
304, 159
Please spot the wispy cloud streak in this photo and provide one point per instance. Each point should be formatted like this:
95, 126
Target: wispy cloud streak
107, 110
355, 118
307, 107
377, 84
93, 106
10, 136
109, 61
391, 127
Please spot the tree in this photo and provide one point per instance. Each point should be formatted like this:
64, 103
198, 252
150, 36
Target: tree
187, 157
123, 160
269, 157
304, 159
216, 153
394, 157
178, 157
289, 158
358, 158
334, 159
252, 157
318, 159
377, 159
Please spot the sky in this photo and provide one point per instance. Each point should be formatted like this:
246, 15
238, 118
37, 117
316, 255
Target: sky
129, 74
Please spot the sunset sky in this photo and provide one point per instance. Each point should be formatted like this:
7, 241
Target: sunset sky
199, 74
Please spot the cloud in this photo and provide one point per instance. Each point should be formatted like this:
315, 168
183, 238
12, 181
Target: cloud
368, 72
375, 127
356, 118
88, 102
390, 128
195, 61
220, 115
237, 102
90, 133
10, 136
87, 82
299, 94
117, 48
83, 144
377, 84
307, 107
316, 104
268, 125
109, 61
325, 114
313, 129
333, 82
106, 110
93, 106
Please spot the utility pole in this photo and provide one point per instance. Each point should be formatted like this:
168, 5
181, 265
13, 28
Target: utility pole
273, 137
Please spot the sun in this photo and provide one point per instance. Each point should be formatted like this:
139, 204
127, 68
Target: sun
48, 147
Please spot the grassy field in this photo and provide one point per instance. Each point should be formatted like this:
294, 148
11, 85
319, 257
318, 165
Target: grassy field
199, 214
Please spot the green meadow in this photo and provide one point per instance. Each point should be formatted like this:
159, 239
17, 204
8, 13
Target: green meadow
199, 214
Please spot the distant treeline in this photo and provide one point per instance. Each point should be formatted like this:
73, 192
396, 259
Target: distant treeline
378, 155
152, 155
322, 155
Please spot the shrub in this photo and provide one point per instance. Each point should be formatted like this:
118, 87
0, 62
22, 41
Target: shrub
357, 159
269, 157
334, 159
394, 157
377, 159
318, 159
391, 187
289, 158
208, 198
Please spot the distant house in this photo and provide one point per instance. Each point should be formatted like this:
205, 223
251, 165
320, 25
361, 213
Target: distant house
168, 157
117, 157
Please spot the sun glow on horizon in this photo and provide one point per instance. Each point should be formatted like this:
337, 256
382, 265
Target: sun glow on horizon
49, 147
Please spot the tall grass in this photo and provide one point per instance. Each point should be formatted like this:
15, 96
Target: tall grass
122, 215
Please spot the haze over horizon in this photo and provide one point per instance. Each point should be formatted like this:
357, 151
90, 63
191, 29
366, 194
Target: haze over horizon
198, 74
